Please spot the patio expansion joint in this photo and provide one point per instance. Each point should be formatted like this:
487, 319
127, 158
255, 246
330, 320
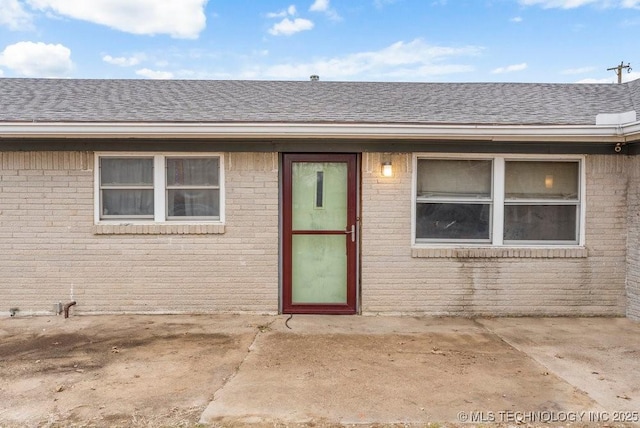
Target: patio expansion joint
259, 331
548, 369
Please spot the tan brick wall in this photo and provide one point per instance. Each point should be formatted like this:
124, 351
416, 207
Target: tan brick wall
50, 250
396, 279
633, 240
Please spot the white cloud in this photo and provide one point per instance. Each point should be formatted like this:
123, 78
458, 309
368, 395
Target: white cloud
399, 61
154, 74
123, 61
280, 14
320, 6
1, 73
572, 4
591, 80
579, 70
323, 6
510, 68
630, 22
288, 27
626, 77
412, 61
613, 78
516, 19
37, 59
562, 4
13, 15
291, 10
183, 19
333, 15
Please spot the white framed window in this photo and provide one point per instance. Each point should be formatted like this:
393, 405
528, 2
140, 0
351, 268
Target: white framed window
158, 187
126, 187
498, 200
454, 200
542, 201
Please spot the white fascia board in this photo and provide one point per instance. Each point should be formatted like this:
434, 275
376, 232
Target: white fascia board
632, 132
600, 133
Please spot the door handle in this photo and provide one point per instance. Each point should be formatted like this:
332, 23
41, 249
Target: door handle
352, 232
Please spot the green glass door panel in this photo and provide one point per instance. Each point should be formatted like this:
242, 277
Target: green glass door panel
319, 269
319, 195
319, 222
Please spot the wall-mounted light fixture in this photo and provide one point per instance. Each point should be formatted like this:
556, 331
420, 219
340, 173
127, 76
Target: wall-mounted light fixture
387, 169
548, 181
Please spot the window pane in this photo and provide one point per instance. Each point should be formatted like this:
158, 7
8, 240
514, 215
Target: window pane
127, 202
540, 222
454, 178
307, 215
453, 221
541, 180
126, 171
192, 172
193, 203
319, 269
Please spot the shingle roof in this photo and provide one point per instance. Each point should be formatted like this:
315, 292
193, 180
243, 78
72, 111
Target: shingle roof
62, 100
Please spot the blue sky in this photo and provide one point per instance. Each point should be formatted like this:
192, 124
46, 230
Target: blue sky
353, 40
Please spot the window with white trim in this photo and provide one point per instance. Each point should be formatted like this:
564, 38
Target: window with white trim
159, 188
498, 200
541, 201
193, 188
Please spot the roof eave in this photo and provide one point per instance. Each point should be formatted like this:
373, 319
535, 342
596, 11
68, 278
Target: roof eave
561, 133
632, 132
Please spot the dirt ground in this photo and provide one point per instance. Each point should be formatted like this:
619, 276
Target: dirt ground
116, 370
232, 370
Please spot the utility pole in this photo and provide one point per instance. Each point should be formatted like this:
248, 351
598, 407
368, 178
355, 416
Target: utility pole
619, 69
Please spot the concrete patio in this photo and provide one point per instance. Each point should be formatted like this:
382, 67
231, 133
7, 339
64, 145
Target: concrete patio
355, 370
231, 370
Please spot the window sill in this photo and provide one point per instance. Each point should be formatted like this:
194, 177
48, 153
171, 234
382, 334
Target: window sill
499, 252
158, 229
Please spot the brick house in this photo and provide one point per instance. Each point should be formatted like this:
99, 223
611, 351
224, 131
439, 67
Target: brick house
320, 197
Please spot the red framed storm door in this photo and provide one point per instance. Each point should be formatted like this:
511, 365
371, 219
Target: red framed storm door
319, 233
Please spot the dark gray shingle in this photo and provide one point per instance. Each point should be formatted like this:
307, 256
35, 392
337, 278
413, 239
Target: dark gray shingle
62, 100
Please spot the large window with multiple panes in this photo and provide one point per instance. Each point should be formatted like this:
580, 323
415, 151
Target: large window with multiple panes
158, 187
498, 200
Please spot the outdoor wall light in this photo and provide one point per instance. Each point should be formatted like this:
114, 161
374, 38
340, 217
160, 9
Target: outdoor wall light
387, 169
548, 182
